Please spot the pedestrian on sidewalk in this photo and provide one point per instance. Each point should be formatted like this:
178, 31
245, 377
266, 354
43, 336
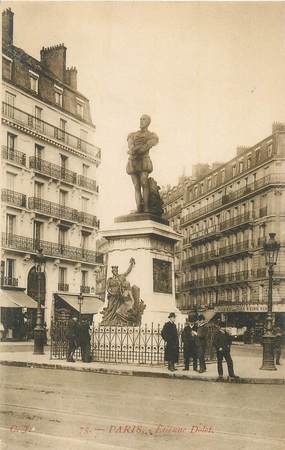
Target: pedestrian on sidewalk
277, 344
222, 342
170, 336
84, 341
72, 332
190, 344
202, 333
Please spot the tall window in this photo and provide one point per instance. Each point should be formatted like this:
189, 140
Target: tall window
10, 103
84, 203
63, 197
80, 109
84, 241
38, 116
10, 270
240, 166
39, 151
62, 131
62, 279
34, 81
58, 95
84, 278
11, 141
62, 236
85, 168
38, 233
38, 189
11, 181
63, 161
10, 224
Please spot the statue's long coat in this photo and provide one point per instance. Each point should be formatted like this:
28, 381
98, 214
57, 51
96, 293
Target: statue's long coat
170, 335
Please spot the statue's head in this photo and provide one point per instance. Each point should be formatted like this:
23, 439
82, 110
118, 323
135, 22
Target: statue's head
144, 121
115, 270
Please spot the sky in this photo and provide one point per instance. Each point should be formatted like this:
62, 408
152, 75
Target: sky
210, 74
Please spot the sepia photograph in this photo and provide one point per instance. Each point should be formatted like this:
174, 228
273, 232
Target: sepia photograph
142, 291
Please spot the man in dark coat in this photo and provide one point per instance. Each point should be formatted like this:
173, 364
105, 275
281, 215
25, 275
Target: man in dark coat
189, 339
72, 339
84, 341
170, 336
277, 344
202, 333
222, 342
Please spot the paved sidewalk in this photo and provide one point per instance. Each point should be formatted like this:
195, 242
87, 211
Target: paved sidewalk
246, 367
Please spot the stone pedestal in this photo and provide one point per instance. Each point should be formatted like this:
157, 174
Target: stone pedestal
151, 244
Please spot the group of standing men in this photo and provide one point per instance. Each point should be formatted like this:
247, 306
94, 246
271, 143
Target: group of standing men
195, 338
78, 336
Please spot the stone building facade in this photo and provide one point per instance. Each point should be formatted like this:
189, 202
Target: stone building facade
226, 215
49, 174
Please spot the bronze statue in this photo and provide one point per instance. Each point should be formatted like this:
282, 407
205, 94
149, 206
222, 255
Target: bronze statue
124, 307
139, 163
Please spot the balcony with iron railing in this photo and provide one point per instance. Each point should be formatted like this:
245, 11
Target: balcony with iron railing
255, 161
203, 257
86, 289
233, 249
61, 173
14, 155
63, 287
233, 276
46, 129
8, 281
206, 233
241, 220
52, 249
62, 212
14, 198
174, 211
236, 195
52, 170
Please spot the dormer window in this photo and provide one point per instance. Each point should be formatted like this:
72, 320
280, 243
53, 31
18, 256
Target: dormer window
34, 81
80, 108
58, 95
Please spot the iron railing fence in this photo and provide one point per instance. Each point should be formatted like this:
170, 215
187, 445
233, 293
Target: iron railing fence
126, 345
49, 130
14, 198
8, 281
27, 244
14, 155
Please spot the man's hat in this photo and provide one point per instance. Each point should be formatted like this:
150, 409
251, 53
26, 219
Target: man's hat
114, 267
171, 315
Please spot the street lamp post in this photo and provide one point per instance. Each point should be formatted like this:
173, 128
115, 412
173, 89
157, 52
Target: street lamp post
39, 338
271, 248
80, 303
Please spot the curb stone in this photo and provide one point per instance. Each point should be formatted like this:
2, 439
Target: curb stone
141, 373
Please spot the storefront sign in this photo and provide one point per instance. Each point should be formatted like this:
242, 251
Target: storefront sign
241, 308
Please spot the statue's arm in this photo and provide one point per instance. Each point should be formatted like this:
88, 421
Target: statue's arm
132, 263
151, 142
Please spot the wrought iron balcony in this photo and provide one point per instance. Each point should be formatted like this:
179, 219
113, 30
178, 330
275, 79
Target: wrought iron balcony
63, 287
87, 289
205, 234
88, 219
53, 209
275, 178
241, 220
9, 281
52, 170
14, 198
174, 211
240, 247
234, 276
203, 257
46, 129
14, 155
87, 183
52, 249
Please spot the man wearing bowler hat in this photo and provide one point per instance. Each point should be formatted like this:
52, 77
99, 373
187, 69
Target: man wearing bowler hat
170, 336
190, 343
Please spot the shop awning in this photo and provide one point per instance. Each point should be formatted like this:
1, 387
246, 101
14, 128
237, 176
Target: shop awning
16, 299
90, 305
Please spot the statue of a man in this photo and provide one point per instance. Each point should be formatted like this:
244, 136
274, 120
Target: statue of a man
139, 163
